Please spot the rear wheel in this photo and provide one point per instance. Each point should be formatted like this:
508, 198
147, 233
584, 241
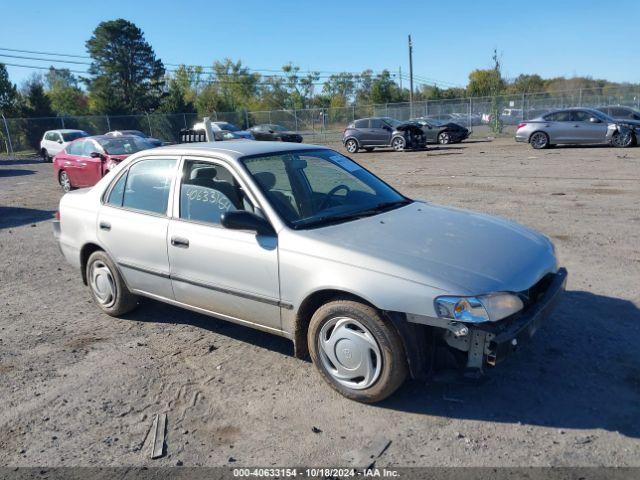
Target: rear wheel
351, 145
356, 350
108, 289
398, 144
539, 140
444, 138
65, 182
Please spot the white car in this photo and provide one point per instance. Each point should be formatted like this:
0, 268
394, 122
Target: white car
54, 141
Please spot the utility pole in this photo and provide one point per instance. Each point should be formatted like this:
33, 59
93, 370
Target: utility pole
400, 76
410, 77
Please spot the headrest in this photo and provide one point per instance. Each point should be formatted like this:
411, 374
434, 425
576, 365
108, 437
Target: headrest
267, 180
205, 172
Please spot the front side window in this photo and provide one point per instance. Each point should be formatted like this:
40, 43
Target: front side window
209, 190
88, 148
581, 116
311, 188
377, 123
147, 186
76, 148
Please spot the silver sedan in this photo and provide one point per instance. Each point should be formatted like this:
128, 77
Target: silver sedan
568, 126
303, 242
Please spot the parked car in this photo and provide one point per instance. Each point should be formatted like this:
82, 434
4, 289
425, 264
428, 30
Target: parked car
443, 133
85, 161
621, 113
274, 132
576, 126
302, 242
54, 141
156, 142
225, 131
368, 133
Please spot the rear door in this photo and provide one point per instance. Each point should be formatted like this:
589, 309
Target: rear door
133, 223
560, 127
70, 160
89, 169
55, 143
232, 273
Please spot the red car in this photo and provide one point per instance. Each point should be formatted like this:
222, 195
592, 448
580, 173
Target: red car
86, 160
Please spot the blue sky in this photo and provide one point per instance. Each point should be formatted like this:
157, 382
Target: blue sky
451, 38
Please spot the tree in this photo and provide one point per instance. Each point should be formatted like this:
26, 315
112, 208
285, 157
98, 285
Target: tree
384, 89
496, 87
341, 85
9, 101
38, 105
300, 88
127, 76
66, 96
524, 83
182, 90
483, 82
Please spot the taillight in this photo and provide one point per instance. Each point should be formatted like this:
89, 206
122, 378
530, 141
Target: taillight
520, 125
57, 215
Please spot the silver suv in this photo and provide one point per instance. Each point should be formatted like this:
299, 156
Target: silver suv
301, 241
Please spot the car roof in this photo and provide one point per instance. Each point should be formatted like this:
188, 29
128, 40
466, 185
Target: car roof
65, 130
234, 148
105, 137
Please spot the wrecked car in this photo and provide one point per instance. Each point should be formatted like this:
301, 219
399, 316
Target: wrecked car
369, 133
302, 242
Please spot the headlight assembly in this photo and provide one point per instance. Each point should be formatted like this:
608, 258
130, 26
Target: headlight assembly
484, 308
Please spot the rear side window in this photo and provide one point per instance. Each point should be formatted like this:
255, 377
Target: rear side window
147, 185
361, 123
559, 117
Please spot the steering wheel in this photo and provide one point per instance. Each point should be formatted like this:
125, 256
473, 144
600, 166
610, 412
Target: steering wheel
331, 193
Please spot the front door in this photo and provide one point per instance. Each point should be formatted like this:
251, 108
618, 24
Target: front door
380, 132
231, 273
132, 224
588, 131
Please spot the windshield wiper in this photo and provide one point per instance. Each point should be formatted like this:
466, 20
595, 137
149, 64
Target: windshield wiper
329, 219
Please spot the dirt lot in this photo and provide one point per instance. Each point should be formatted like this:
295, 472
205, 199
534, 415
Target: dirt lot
81, 388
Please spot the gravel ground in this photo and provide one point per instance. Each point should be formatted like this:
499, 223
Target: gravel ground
80, 388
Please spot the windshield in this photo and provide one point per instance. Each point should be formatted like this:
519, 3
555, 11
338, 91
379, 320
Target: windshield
71, 136
134, 132
227, 126
312, 188
392, 121
124, 145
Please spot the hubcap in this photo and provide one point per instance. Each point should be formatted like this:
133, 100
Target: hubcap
349, 353
398, 144
102, 283
65, 182
351, 146
444, 138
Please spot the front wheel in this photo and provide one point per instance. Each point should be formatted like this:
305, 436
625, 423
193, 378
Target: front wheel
539, 140
357, 352
351, 145
623, 139
398, 144
45, 156
107, 287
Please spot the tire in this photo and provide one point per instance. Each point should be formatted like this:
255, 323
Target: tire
368, 149
444, 138
45, 156
624, 141
539, 140
65, 181
364, 334
351, 145
398, 144
107, 288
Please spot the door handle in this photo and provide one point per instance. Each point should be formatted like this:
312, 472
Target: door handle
105, 226
180, 242
82, 164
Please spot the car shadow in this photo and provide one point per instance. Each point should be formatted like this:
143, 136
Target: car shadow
158, 312
20, 161
580, 371
14, 172
17, 216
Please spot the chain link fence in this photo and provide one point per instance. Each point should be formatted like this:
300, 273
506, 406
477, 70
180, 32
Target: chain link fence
321, 125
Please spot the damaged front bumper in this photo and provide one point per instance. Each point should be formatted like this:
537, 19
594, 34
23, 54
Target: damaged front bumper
471, 348
489, 344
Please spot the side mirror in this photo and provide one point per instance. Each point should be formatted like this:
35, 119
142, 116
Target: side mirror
59, 141
594, 120
96, 155
271, 131
387, 128
243, 220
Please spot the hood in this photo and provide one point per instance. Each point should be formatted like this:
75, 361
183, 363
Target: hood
414, 127
453, 126
242, 134
455, 250
628, 122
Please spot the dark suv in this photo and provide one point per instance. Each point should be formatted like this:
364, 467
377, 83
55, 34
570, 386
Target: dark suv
368, 133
